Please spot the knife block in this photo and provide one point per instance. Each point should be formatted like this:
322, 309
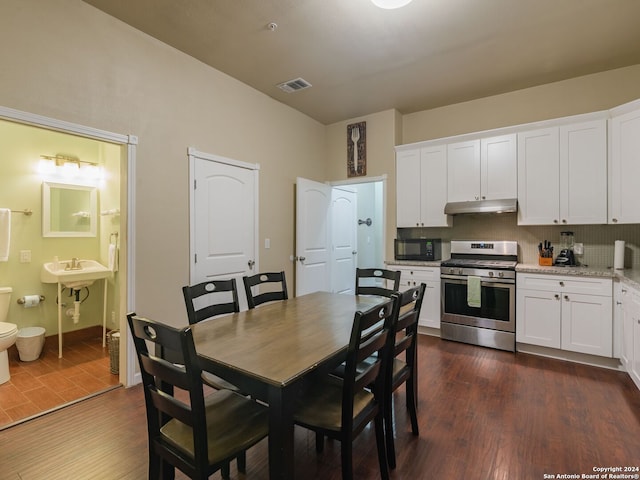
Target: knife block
545, 261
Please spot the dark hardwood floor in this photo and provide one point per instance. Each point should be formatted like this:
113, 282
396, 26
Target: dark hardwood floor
484, 414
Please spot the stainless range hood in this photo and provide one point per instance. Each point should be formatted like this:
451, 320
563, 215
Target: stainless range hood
508, 205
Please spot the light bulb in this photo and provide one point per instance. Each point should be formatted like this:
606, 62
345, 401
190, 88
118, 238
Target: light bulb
390, 4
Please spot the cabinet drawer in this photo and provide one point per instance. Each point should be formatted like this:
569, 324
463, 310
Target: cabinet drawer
566, 284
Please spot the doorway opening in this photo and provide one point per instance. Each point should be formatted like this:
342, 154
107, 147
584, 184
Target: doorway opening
25, 140
371, 198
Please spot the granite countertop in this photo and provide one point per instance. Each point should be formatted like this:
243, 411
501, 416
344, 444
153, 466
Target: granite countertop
584, 271
629, 276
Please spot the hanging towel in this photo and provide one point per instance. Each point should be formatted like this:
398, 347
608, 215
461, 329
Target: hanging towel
5, 233
473, 291
113, 258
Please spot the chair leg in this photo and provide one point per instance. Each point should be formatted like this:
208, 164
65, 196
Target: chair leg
319, 442
380, 442
389, 432
168, 471
225, 471
412, 405
242, 462
346, 452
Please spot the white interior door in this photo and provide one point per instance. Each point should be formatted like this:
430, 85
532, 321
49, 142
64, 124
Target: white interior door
224, 219
344, 221
313, 237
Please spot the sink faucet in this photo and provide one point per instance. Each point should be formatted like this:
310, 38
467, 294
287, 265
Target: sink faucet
75, 264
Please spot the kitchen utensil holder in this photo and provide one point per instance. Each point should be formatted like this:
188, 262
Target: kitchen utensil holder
545, 261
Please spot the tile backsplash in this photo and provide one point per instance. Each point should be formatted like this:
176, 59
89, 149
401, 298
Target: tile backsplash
598, 240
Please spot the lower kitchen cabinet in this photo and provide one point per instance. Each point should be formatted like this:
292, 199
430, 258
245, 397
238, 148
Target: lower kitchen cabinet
412, 277
629, 299
568, 313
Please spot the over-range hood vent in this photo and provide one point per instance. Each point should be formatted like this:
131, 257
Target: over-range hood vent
508, 205
294, 85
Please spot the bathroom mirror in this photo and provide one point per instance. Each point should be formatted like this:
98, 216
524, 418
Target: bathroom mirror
69, 210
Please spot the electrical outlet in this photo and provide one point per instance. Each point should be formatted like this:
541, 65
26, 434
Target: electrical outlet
25, 256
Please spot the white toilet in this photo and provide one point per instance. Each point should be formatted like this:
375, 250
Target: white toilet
8, 333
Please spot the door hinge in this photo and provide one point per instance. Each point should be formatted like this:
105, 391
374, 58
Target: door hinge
195, 184
195, 258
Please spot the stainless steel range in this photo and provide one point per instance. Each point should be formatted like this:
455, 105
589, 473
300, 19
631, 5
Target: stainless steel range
479, 294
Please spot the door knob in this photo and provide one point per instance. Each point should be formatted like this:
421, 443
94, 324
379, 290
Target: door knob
251, 263
302, 259
354, 252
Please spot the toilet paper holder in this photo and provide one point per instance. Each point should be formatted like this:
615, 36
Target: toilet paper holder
22, 300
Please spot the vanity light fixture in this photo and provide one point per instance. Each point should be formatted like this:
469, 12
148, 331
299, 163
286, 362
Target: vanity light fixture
66, 166
390, 4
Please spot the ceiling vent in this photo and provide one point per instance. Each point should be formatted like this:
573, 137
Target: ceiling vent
294, 85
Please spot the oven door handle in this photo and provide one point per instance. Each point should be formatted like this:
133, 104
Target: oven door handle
494, 282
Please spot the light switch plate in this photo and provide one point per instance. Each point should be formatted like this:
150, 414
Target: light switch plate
25, 256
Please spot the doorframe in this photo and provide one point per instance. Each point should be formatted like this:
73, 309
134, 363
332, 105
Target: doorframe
128, 375
194, 154
381, 178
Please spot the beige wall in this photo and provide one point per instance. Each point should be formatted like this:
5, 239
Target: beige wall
585, 94
66, 60
383, 131
570, 97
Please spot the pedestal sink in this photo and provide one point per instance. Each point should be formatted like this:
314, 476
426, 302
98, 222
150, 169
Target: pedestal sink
86, 272
75, 274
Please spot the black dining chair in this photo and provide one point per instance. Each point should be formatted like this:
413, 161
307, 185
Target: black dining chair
367, 281
403, 370
194, 433
340, 408
207, 300
275, 284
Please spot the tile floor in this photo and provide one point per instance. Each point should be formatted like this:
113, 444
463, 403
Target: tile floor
51, 382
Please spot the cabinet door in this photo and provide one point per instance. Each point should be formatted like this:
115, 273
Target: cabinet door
635, 358
463, 171
538, 177
538, 318
498, 168
408, 188
624, 164
414, 276
619, 297
631, 313
583, 173
433, 161
587, 324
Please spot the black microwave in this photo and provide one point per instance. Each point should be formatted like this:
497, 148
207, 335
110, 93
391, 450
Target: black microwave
424, 249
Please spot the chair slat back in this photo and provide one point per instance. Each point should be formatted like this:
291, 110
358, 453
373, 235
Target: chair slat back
209, 299
376, 274
277, 283
409, 307
369, 335
160, 378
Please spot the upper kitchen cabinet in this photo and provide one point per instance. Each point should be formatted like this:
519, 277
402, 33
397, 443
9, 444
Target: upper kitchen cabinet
624, 164
421, 187
482, 169
562, 174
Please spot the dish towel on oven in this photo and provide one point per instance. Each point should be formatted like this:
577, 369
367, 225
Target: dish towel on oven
5, 233
473, 291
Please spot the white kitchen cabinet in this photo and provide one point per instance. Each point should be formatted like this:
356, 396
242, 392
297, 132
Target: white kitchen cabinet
421, 189
634, 372
412, 277
619, 298
562, 174
482, 169
570, 313
624, 164
538, 317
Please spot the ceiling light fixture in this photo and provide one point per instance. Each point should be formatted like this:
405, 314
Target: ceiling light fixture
390, 4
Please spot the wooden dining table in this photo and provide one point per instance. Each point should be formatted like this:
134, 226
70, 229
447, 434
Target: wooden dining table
270, 352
